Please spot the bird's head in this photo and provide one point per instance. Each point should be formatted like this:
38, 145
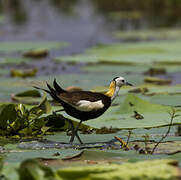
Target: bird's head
120, 81
115, 85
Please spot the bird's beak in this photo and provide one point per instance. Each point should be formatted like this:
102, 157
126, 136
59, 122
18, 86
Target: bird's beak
128, 84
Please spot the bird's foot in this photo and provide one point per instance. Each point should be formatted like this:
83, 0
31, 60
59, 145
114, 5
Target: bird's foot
75, 134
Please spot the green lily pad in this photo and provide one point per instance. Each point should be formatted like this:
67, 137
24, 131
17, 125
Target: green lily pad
155, 115
162, 170
21, 155
31, 168
4, 72
149, 34
29, 45
115, 68
164, 99
23, 73
27, 97
159, 52
172, 90
29, 93
158, 81
128, 69
13, 60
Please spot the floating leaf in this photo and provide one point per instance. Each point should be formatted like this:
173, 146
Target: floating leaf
37, 53
29, 93
155, 52
156, 34
29, 45
163, 169
13, 60
157, 81
23, 73
27, 97
155, 115
155, 71
164, 99
132, 69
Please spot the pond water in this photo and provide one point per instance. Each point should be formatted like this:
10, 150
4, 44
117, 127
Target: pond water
82, 23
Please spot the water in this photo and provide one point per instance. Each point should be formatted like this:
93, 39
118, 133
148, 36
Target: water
82, 28
82, 23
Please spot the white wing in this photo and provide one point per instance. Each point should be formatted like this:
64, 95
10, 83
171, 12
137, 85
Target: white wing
87, 106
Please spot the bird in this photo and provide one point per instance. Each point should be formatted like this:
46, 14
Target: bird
84, 105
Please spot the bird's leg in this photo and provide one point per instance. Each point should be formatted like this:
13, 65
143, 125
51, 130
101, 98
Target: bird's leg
71, 124
74, 133
73, 129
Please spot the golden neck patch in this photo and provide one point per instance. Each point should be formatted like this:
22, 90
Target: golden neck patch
111, 90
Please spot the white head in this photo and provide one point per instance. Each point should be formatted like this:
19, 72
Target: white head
120, 81
115, 85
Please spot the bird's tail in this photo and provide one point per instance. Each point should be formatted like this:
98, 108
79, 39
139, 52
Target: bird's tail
57, 87
53, 92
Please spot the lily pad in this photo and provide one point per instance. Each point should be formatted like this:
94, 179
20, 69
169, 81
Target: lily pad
27, 97
29, 45
13, 60
171, 90
37, 53
4, 72
157, 81
164, 99
21, 155
155, 115
149, 34
23, 73
162, 170
129, 69
156, 52
167, 169
29, 93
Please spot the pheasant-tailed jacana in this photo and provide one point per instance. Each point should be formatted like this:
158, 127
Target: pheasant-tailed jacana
85, 105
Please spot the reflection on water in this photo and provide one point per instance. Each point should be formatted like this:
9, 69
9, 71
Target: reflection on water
160, 12
15, 10
133, 14
64, 6
83, 22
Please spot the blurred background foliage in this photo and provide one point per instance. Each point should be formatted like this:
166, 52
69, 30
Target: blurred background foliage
162, 12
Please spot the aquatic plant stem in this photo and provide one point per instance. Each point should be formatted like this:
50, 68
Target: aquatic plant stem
173, 115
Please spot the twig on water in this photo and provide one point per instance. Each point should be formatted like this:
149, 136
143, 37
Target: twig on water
172, 116
129, 135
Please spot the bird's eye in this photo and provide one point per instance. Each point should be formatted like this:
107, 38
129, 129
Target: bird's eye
123, 80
